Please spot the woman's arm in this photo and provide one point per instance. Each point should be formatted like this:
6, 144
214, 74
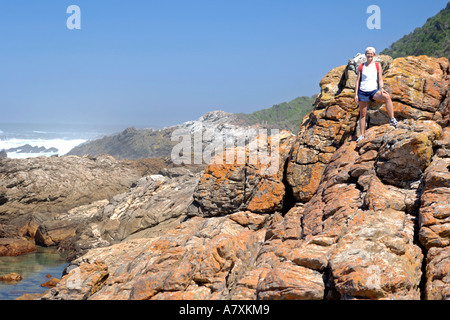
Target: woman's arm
380, 80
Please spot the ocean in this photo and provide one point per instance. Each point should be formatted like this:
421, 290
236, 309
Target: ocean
21, 140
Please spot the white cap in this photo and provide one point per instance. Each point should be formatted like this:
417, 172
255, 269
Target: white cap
371, 49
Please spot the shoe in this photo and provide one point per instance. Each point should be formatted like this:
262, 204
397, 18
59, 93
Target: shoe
393, 122
361, 138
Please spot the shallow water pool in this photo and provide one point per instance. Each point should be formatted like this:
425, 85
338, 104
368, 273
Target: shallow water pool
33, 267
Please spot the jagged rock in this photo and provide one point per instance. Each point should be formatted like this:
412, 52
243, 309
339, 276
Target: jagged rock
438, 271
247, 185
289, 281
52, 232
57, 184
434, 221
376, 258
200, 259
353, 214
359, 245
54, 200
418, 87
81, 282
367, 216
156, 203
435, 207
406, 152
152, 205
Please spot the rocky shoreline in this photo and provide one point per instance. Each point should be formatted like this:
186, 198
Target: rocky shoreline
336, 220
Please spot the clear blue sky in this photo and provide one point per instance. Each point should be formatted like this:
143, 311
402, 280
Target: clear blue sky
159, 63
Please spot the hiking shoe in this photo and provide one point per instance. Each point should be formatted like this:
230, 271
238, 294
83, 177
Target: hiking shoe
393, 122
360, 139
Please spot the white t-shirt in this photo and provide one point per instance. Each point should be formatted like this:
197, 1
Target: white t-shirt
369, 78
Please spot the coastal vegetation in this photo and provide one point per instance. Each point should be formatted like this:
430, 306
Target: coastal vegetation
432, 39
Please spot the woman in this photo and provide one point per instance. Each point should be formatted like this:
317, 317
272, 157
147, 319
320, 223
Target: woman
369, 87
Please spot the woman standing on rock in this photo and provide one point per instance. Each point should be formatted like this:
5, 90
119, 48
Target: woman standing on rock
369, 87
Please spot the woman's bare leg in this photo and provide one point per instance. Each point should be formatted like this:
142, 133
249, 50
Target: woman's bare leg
362, 117
386, 98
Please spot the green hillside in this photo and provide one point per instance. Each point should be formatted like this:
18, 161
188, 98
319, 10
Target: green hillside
286, 115
432, 39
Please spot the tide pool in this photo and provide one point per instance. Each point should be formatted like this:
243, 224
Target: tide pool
33, 268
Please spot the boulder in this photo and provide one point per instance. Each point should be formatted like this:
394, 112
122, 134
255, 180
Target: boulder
437, 285
244, 178
12, 277
15, 247
51, 232
406, 152
289, 281
51, 283
376, 258
434, 215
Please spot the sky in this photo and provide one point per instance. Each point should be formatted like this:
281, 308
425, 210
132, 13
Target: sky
149, 63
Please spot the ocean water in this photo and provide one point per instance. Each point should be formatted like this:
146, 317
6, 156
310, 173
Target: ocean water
63, 137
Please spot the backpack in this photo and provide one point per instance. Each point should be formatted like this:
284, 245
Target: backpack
376, 64
378, 70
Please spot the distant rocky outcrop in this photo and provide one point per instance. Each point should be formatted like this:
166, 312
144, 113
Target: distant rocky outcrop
135, 143
3, 154
336, 219
131, 143
27, 148
215, 129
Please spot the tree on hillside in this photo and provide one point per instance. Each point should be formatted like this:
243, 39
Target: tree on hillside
432, 39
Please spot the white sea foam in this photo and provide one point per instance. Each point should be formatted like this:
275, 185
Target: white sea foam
63, 137
63, 146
